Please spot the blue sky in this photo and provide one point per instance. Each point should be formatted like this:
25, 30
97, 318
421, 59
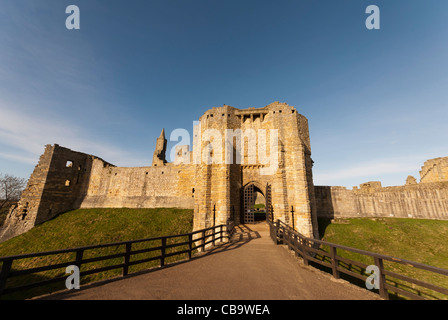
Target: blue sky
376, 100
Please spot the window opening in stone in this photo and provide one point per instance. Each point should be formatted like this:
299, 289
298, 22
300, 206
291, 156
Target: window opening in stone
79, 172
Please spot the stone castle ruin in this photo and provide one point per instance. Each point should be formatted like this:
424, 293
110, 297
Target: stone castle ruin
219, 178
239, 157
427, 199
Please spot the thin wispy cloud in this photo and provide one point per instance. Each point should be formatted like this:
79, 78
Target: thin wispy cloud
377, 170
17, 158
29, 133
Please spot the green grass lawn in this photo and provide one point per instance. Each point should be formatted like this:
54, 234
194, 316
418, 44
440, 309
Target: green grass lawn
85, 227
418, 240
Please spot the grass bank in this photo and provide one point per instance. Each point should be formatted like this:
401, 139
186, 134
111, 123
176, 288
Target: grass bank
85, 227
418, 240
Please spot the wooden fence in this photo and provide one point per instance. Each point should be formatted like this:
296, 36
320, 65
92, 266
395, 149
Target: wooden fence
197, 240
310, 250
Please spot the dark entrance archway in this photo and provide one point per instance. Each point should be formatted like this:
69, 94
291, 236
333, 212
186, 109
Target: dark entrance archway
256, 203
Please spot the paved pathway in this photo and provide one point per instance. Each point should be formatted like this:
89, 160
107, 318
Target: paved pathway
249, 268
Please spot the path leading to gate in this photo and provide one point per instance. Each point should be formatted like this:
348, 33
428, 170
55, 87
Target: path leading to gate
251, 267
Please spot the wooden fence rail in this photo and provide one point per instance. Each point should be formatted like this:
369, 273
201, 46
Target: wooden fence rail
207, 237
308, 249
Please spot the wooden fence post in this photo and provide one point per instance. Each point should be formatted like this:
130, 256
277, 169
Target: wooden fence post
305, 252
203, 241
290, 240
277, 233
79, 254
190, 245
382, 278
163, 249
334, 262
6, 269
127, 257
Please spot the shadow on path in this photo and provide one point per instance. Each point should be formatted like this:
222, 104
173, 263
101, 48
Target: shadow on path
249, 267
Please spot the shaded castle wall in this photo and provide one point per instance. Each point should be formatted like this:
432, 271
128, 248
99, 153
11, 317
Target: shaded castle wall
424, 200
58, 183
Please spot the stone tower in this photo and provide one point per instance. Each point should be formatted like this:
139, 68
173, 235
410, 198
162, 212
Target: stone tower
159, 157
238, 151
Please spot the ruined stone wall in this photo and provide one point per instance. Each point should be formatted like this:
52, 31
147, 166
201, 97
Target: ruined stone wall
434, 170
424, 200
141, 187
427, 199
65, 180
57, 185
21, 218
